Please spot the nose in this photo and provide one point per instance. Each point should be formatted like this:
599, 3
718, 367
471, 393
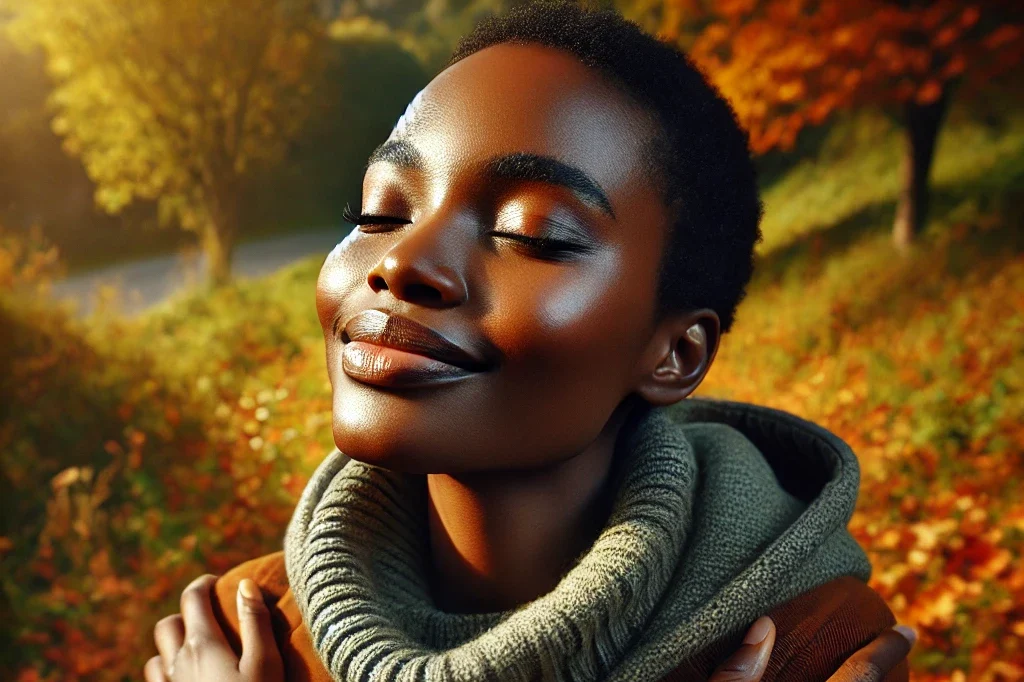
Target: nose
422, 268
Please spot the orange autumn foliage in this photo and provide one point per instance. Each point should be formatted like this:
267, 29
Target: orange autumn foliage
786, 64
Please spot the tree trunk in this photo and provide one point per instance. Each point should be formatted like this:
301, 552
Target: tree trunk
219, 239
922, 123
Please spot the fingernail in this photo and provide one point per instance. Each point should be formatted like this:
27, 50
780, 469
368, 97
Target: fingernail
247, 588
758, 631
907, 632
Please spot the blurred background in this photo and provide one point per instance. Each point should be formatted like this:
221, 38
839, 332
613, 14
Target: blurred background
172, 174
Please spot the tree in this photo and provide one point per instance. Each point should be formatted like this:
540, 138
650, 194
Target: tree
786, 64
426, 29
176, 102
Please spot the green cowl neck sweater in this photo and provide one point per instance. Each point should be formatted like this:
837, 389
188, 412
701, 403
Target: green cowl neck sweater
722, 511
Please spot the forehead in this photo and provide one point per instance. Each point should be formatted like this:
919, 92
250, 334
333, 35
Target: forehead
528, 98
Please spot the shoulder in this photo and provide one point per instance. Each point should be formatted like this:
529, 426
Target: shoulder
820, 629
815, 633
301, 661
269, 573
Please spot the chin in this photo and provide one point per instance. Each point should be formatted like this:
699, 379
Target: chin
394, 432
366, 443
397, 464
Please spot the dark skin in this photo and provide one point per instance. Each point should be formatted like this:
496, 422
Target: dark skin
517, 469
517, 455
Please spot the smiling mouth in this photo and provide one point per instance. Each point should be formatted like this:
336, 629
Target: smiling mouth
403, 334
395, 351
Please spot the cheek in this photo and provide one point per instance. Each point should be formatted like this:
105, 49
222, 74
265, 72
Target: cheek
569, 336
343, 271
573, 320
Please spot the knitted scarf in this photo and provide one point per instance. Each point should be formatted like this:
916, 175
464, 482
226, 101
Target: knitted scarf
722, 511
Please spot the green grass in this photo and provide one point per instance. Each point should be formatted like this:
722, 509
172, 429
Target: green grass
855, 177
277, 311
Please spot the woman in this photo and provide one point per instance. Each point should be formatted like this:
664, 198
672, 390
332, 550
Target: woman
552, 242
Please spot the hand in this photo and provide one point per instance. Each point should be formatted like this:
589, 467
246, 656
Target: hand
870, 664
193, 647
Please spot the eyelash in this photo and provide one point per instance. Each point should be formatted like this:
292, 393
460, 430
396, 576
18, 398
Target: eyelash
363, 219
551, 249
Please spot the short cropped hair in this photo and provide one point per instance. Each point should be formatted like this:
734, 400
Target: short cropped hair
701, 153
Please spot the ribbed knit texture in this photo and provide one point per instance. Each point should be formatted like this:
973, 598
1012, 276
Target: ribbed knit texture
702, 539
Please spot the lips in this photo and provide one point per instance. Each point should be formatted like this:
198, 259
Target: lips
401, 333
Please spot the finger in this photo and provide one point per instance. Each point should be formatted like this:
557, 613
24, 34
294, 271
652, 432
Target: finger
197, 613
260, 656
877, 659
169, 635
750, 660
154, 671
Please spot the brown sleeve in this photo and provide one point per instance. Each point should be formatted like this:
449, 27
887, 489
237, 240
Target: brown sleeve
269, 573
815, 633
301, 662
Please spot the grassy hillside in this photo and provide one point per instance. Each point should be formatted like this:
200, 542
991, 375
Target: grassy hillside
918, 362
851, 180
160, 448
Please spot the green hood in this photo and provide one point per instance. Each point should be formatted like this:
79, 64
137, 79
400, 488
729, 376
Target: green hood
722, 511
776, 493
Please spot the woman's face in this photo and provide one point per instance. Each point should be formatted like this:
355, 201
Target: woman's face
516, 139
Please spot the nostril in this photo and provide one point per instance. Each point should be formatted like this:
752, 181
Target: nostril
424, 293
344, 336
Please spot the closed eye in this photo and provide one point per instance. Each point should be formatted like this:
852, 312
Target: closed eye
364, 219
552, 249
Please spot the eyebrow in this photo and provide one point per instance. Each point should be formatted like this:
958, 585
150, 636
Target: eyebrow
517, 166
398, 152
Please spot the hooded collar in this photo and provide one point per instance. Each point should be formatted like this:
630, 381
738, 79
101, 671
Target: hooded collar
722, 511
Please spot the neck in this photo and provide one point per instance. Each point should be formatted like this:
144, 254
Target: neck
502, 539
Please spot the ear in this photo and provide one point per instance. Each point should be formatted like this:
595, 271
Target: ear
678, 356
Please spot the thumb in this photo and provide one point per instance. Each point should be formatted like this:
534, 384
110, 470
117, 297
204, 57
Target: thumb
261, 659
751, 659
